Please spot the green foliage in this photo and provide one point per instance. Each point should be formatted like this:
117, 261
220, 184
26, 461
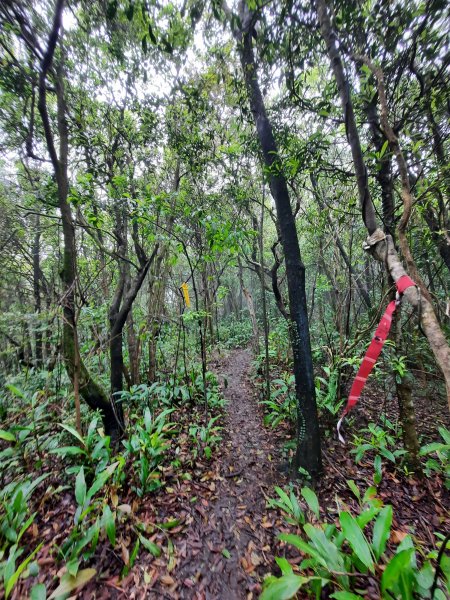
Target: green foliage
439, 456
206, 437
327, 391
146, 446
93, 449
235, 333
335, 555
282, 403
15, 520
379, 441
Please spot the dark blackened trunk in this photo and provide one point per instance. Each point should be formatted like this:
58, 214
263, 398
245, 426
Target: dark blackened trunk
308, 454
116, 376
384, 174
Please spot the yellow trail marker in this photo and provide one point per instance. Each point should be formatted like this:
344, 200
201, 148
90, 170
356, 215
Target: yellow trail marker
184, 288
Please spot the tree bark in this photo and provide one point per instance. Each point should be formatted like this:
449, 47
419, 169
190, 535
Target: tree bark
91, 392
308, 454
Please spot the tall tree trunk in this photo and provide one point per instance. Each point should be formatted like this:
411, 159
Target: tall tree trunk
308, 454
91, 392
264, 298
251, 309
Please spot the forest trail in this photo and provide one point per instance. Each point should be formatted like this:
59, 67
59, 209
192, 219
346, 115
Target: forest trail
228, 538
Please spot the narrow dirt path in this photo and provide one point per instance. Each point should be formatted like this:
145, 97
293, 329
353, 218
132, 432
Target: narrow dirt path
232, 534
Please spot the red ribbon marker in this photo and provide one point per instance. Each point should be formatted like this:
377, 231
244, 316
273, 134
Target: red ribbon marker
374, 349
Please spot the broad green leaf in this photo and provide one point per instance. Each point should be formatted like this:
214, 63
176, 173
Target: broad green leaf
284, 565
397, 572
284, 588
73, 431
7, 436
382, 531
226, 553
300, 544
150, 546
445, 433
69, 584
68, 451
378, 470
109, 522
311, 500
101, 479
356, 539
327, 549
283, 496
352, 485
80, 487
367, 515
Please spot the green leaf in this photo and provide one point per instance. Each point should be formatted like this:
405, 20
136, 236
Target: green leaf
382, 531
7, 436
168, 524
356, 539
80, 487
69, 583
284, 588
101, 479
38, 592
68, 451
285, 567
20, 569
384, 147
284, 497
378, 471
300, 544
311, 500
150, 546
397, 570
226, 553
352, 485
73, 566
109, 522
73, 431
328, 550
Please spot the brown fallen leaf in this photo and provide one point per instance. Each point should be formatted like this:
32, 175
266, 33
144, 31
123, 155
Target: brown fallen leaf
398, 536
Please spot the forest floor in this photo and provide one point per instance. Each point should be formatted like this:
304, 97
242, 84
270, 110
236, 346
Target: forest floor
210, 519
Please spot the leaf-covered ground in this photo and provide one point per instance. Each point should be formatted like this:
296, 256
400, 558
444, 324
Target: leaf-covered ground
218, 538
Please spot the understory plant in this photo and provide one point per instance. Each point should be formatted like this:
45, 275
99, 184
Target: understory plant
343, 559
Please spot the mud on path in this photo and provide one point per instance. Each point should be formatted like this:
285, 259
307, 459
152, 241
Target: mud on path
230, 539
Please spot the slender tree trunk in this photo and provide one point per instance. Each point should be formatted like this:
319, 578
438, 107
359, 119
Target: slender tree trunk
91, 392
251, 309
308, 454
133, 350
264, 299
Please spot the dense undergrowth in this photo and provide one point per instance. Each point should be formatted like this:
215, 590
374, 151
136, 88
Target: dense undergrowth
45, 461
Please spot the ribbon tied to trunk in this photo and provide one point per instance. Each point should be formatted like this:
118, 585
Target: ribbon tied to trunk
374, 349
